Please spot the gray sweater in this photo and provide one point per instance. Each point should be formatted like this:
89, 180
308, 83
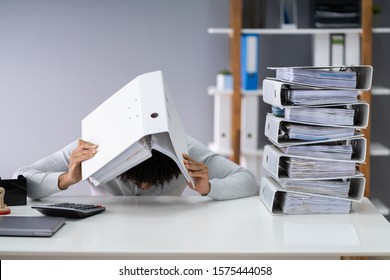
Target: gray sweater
227, 179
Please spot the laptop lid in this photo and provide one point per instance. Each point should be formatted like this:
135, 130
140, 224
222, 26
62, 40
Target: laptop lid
30, 226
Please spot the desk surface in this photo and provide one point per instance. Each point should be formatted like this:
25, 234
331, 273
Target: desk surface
197, 227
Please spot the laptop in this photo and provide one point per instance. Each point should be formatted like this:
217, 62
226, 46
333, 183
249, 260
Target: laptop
44, 226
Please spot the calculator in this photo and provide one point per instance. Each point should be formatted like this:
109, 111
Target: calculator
70, 210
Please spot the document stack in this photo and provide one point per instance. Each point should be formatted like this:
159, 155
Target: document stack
317, 145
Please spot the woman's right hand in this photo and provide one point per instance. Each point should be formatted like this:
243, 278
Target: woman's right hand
84, 151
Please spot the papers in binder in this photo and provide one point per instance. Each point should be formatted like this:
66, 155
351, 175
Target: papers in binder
279, 200
282, 166
332, 150
347, 188
312, 133
283, 133
344, 149
315, 127
140, 117
340, 115
299, 204
337, 188
311, 168
351, 77
279, 94
332, 115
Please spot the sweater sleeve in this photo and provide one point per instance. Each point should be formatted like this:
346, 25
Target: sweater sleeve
227, 179
42, 176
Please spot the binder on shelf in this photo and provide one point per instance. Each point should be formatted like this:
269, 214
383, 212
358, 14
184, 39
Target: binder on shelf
337, 50
332, 77
323, 48
274, 197
249, 61
282, 166
282, 94
222, 121
141, 116
249, 122
282, 132
288, 14
352, 44
252, 162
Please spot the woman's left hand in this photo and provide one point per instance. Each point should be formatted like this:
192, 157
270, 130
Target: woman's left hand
200, 172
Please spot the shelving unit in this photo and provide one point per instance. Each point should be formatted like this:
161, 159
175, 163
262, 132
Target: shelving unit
234, 33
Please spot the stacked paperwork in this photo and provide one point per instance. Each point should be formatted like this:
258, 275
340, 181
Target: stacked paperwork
315, 128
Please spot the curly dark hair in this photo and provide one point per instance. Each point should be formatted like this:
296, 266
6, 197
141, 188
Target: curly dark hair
157, 169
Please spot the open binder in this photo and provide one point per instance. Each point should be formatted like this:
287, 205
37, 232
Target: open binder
141, 116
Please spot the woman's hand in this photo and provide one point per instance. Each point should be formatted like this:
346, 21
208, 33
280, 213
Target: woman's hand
200, 172
84, 151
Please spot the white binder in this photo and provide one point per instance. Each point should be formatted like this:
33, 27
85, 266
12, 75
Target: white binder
358, 146
253, 162
274, 160
363, 75
249, 123
322, 49
360, 120
222, 121
123, 126
271, 192
337, 51
276, 92
352, 44
274, 127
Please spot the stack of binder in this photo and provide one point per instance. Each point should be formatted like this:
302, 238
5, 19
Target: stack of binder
317, 145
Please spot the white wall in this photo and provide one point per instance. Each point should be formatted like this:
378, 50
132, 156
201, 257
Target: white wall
61, 59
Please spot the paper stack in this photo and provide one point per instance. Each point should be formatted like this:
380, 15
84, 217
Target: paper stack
317, 144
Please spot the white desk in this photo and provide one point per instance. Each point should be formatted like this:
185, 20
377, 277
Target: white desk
197, 227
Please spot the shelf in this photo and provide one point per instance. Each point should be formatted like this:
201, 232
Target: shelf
225, 152
256, 153
213, 91
379, 90
297, 31
381, 30
377, 149
382, 208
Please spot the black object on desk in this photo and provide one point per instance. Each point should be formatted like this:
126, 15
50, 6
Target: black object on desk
15, 191
69, 210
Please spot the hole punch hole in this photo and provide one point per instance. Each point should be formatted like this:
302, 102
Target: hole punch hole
154, 115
